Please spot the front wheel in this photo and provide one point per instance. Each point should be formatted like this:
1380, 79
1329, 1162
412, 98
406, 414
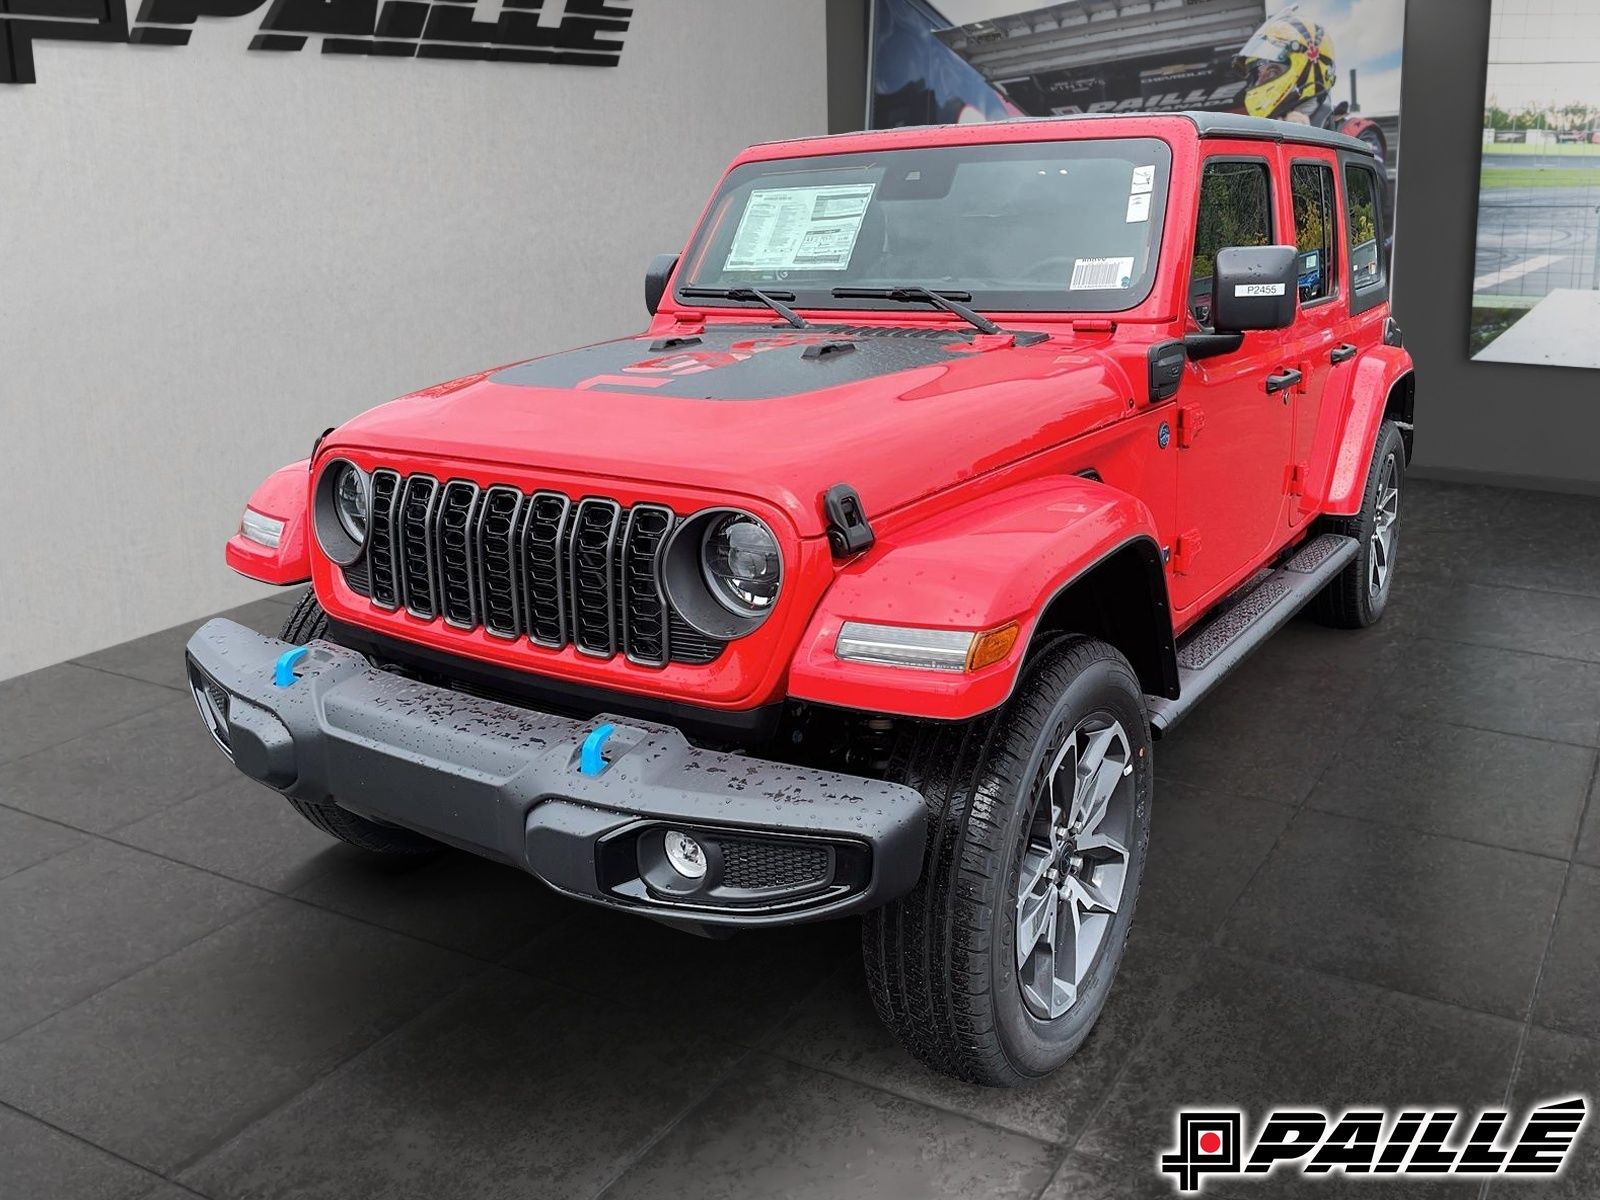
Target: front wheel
997, 965
307, 622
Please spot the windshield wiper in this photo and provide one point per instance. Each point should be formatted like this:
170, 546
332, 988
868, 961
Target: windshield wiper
913, 294
773, 300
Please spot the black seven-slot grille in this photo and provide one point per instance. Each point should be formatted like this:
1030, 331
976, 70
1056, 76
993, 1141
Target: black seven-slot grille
537, 566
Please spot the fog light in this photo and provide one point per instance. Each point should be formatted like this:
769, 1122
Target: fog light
687, 856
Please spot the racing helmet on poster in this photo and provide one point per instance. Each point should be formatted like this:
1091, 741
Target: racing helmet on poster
1286, 62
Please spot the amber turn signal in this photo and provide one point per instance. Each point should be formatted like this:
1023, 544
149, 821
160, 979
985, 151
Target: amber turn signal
989, 648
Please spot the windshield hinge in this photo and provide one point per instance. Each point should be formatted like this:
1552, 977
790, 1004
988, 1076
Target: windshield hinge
848, 530
1181, 561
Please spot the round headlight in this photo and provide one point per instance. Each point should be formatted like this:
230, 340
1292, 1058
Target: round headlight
340, 507
350, 501
742, 564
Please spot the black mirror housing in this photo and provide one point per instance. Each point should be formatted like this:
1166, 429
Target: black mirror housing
655, 279
1255, 287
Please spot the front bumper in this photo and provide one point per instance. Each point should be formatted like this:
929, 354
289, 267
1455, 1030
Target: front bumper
783, 843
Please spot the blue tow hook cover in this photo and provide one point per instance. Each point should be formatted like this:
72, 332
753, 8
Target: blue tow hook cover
283, 670
590, 760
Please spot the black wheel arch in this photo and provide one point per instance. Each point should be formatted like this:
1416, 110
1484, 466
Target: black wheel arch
1121, 599
1401, 406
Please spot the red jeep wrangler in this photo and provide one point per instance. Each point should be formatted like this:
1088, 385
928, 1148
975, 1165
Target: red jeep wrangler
955, 466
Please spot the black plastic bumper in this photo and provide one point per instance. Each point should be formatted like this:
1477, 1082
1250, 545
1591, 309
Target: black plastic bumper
782, 843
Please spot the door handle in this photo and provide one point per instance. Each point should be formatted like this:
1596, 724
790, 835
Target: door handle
1341, 353
1285, 378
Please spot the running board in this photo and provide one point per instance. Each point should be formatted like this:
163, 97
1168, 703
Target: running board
1207, 653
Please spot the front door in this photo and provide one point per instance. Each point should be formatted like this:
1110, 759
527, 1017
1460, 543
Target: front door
1234, 436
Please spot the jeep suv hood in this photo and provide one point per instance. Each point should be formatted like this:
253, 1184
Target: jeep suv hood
897, 413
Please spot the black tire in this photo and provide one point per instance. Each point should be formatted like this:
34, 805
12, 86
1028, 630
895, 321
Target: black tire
1351, 600
307, 621
942, 962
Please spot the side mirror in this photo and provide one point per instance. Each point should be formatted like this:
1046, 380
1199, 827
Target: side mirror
655, 279
1255, 287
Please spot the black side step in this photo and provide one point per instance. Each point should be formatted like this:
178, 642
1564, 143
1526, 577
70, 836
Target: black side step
1207, 653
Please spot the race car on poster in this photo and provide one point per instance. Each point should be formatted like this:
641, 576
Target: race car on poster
955, 466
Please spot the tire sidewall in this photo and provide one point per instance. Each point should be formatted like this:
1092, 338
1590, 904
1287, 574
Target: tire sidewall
1389, 445
1034, 1047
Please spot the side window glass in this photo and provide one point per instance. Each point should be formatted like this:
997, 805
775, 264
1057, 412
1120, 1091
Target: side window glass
1314, 220
1366, 228
1235, 210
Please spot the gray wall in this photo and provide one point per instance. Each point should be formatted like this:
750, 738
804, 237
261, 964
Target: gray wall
1484, 422
1488, 422
211, 255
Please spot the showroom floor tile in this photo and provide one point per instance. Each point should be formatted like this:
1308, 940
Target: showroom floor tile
777, 1129
186, 1052
84, 920
1589, 838
1569, 989
1428, 915
56, 704
42, 1163
1473, 784
1250, 1034
122, 773
158, 657
1555, 1067
1361, 889
1191, 831
511, 1088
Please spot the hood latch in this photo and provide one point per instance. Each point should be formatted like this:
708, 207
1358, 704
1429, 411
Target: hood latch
848, 530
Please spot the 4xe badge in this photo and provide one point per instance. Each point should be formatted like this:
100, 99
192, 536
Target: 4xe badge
1365, 1142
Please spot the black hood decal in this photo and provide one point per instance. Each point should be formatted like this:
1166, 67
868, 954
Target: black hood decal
740, 362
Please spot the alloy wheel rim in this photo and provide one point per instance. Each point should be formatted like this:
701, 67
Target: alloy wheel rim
1383, 528
1075, 864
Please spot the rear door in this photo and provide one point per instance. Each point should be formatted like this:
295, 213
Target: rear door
1234, 438
1315, 345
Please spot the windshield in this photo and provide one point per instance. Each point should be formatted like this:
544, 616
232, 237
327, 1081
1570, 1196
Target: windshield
1026, 227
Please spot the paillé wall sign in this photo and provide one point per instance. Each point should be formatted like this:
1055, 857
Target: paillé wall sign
584, 33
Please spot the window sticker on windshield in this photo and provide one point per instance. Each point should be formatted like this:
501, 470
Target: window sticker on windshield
799, 228
1144, 180
1139, 207
1093, 274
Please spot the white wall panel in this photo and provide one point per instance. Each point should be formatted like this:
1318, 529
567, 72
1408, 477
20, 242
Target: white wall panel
210, 254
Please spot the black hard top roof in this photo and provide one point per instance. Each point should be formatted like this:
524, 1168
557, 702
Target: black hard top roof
1236, 125
1228, 125
1207, 124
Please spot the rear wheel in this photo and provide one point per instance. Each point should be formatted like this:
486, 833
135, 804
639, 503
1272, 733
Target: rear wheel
307, 622
996, 967
1357, 596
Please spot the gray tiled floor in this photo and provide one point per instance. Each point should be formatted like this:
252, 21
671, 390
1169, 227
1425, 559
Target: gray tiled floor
1361, 889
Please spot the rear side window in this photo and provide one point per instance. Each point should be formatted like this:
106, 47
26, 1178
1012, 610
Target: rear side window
1235, 210
1315, 220
1366, 228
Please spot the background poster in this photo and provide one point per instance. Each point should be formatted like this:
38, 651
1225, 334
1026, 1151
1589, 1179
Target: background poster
1537, 268
1122, 56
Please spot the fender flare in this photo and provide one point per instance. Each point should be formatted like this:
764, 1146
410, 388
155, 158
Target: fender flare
1373, 380
1011, 556
284, 496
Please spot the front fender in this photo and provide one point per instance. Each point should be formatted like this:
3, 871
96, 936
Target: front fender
283, 496
1340, 462
977, 567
